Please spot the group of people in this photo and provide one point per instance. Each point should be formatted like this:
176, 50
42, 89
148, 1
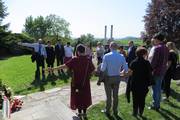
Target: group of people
144, 68
49, 53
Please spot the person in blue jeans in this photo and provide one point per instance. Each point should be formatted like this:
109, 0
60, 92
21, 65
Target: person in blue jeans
159, 59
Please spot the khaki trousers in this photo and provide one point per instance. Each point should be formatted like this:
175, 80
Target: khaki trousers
111, 85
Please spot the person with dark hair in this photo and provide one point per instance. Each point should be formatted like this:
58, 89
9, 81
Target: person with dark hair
131, 52
59, 53
172, 62
159, 59
50, 55
122, 51
82, 67
40, 55
140, 70
75, 47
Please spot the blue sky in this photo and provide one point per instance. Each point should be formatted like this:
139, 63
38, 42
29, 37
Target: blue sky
85, 16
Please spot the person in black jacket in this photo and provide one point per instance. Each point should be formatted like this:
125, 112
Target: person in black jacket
50, 55
141, 76
59, 53
131, 52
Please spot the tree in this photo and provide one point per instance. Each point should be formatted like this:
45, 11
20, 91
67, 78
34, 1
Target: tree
86, 38
163, 16
51, 25
36, 27
58, 26
3, 10
3, 14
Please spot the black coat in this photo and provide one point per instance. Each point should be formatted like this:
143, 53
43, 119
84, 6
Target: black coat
59, 52
50, 55
141, 77
131, 55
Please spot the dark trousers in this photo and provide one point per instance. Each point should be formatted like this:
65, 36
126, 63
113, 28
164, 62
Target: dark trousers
167, 84
99, 60
50, 65
138, 102
60, 61
38, 65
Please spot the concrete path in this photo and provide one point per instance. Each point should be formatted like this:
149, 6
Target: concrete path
54, 104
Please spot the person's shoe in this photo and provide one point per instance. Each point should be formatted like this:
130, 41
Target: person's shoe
165, 99
115, 113
134, 114
84, 115
105, 112
79, 115
153, 108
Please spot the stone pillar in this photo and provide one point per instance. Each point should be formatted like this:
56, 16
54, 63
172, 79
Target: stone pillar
105, 33
111, 32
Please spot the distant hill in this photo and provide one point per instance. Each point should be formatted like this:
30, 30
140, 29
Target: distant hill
129, 38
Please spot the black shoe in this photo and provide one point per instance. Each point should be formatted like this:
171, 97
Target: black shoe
154, 108
79, 115
134, 114
115, 114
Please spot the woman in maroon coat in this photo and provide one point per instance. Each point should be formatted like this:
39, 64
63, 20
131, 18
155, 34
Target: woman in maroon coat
82, 67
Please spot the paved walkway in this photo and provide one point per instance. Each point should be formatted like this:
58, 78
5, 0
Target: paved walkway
54, 104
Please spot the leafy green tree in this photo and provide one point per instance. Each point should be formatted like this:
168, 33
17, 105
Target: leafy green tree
163, 16
3, 10
58, 26
3, 14
42, 27
36, 27
88, 38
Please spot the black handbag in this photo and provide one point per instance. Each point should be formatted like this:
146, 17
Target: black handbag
176, 74
33, 57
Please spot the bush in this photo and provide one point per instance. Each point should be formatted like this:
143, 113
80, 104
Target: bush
8, 43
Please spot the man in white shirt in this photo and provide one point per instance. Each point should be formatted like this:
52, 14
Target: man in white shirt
113, 63
68, 52
40, 55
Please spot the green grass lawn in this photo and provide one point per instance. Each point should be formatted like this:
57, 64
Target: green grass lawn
18, 73
169, 110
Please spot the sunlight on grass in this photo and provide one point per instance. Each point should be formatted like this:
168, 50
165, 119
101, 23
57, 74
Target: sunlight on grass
18, 73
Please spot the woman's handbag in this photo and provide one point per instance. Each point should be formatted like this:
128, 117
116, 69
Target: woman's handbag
176, 74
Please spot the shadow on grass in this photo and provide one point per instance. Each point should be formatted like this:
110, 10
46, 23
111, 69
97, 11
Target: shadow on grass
63, 76
168, 115
115, 117
175, 95
39, 84
172, 105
